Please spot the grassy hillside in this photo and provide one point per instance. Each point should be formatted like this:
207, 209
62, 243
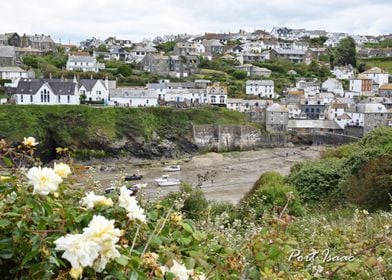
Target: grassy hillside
80, 127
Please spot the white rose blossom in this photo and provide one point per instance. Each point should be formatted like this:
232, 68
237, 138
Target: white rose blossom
78, 250
130, 204
103, 232
62, 169
94, 248
179, 271
92, 200
29, 142
44, 180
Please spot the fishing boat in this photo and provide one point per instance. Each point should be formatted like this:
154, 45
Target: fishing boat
172, 168
165, 180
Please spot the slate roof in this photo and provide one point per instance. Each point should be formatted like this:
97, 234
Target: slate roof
88, 83
58, 86
77, 58
260, 82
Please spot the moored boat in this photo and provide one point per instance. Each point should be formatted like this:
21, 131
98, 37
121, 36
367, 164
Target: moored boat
165, 180
172, 168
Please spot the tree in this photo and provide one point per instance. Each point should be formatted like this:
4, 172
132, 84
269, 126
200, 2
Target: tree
240, 75
346, 53
167, 46
102, 48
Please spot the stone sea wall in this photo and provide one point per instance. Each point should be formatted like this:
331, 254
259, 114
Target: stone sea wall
234, 137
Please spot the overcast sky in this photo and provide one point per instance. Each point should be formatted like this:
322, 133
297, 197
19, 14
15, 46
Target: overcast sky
76, 20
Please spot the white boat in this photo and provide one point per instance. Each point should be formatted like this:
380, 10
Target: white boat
172, 168
165, 180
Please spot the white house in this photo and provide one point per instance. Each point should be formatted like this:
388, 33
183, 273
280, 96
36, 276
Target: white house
12, 73
216, 94
333, 85
94, 90
378, 75
343, 72
361, 84
83, 63
133, 97
187, 95
310, 87
47, 92
260, 88
336, 110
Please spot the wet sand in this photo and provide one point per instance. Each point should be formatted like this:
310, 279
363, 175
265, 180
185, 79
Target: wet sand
229, 175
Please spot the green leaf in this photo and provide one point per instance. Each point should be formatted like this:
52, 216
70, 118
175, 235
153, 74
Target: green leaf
353, 267
274, 251
54, 261
187, 228
4, 223
155, 242
30, 256
7, 162
123, 260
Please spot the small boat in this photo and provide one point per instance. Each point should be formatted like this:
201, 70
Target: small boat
133, 177
172, 168
110, 189
165, 180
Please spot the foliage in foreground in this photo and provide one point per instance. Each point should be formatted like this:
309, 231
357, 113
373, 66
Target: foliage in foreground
160, 240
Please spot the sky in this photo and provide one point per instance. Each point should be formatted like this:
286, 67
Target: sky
75, 20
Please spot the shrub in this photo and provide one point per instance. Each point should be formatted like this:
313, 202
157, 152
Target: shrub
195, 205
270, 195
239, 74
318, 180
371, 187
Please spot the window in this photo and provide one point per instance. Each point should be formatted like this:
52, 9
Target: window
31, 99
21, 98
213, 99
222, 99
58, 99
68, 99
147, 101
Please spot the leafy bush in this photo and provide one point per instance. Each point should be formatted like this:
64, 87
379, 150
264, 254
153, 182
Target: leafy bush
270, 195
318, 180
371, 187
239, 74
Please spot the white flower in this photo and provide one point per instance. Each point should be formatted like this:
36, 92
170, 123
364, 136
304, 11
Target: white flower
130, 204
29, 142
179, 271
78, 250
44, 180
102, 231
91, 200
365, 212
198, 275
62, 169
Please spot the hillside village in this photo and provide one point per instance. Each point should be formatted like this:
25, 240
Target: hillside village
290, 80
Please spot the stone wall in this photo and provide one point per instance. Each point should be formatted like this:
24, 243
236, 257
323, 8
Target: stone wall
234, 137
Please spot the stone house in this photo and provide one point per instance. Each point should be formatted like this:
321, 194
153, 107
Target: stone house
277, 117
7, 56
385, 90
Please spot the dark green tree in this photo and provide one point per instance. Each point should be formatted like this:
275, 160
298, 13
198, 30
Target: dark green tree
102, 48
346, 53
